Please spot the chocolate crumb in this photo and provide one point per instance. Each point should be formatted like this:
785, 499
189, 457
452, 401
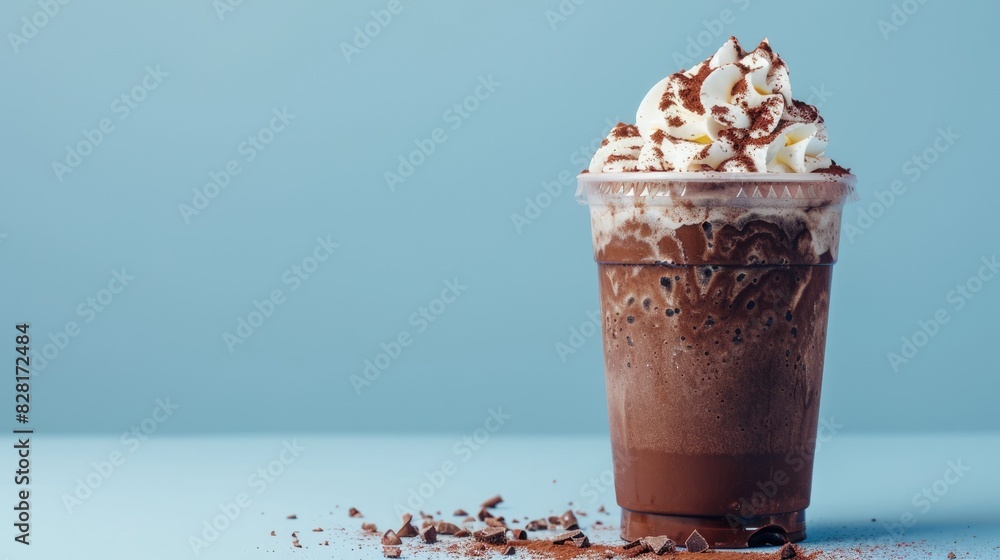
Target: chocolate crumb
445, 528
495, 522
390, 538
407, 530
429, 534
469, 519
354, 513
296, 543
492, 535
696, 542
951, 556
661, 545
601, 508
566, 537
460, 512
273, 534
392, 551
369, 527
569, 521
554, 521
788, 551
581, 542
509, 551
462, 533
292, 516
492, 502
641, 543
518, 534
483, 514
537, 525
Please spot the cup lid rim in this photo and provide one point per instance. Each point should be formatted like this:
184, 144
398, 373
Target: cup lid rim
711, 176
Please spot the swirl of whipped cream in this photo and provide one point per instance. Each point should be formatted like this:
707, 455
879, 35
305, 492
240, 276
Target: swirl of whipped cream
619, 151
732, 112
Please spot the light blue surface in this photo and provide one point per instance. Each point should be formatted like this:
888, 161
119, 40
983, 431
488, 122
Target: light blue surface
555, 87
166, 489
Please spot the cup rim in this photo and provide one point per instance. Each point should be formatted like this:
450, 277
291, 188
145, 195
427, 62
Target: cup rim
666, 188
712, 176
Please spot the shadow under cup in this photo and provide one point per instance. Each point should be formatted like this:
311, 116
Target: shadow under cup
715, 291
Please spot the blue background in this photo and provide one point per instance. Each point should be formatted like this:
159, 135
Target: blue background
560, 83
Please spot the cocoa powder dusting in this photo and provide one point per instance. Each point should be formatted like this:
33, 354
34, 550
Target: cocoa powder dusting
666, 100
690, 89
805, 111
546, 549
739, 88
720, 111
623, 130
616, 157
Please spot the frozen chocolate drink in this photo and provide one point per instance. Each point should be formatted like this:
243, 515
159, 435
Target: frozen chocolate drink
716, 222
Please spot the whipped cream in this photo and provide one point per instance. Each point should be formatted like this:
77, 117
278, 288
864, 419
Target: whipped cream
732, 112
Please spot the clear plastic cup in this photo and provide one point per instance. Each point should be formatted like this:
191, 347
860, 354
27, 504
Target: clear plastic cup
715, 291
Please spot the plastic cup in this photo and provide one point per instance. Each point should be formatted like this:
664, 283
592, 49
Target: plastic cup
715, 291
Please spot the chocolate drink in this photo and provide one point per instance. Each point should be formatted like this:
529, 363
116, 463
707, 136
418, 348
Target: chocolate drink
716, 223
714, 298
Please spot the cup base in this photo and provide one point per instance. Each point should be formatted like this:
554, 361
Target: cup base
763, 530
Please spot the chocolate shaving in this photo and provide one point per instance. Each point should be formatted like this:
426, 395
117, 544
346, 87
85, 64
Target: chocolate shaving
407, 530
638, 543
564, 538
661, 545
429, 534
390, 538
569, 521
537, 525
445, 528
696, 542
491, 535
